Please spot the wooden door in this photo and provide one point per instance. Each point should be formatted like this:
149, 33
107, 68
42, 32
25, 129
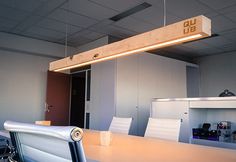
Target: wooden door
57, 98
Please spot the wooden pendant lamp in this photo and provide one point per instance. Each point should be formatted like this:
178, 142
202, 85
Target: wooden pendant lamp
183, 31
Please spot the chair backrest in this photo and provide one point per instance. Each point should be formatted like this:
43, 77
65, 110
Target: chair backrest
120, 125
46, 143
43, 122
163, 128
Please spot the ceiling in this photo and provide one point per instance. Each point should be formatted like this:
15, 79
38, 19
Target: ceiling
83, 21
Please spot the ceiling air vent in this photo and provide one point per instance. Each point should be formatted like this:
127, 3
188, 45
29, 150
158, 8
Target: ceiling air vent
131, 11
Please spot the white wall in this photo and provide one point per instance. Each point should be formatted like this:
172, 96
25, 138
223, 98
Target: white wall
23, 67
22, 87
217, 72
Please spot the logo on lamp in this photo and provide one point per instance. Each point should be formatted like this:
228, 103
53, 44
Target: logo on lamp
190, 26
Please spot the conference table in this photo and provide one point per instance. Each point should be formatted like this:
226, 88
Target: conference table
127, 148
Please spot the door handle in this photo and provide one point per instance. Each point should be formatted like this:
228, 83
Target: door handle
48, 107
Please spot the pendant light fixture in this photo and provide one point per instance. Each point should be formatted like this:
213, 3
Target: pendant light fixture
180, 32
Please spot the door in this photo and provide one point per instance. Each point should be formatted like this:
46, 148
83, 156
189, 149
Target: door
127, 90
57, 98
77, 114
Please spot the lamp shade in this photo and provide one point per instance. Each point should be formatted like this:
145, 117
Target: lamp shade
183, 31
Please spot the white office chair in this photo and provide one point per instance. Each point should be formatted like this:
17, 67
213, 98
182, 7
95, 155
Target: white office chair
46, 143
120, 125
163, 128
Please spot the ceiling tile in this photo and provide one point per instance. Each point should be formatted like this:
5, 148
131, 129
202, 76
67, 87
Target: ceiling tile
186, 8
231, 35
88, 20
25, 5
156, 3
211, 14
48, 7
134, 25
81, 42
90, 9
218, 4
229, 9
72, 18
28, 5
179, 49
176, 54
115, 31
58, 26
62, 42
228, 47
155, 16
231, 16
79, 34
221, 24
45, 32
42, 37
196, 45
8, 3
216, 41
4, 28
102, 25
27, 23
78, 40
87, 34
39, 14
209, 51
35, 36
170, 19
107, 27
120, 32
6, 24
118, 5
12, 14
94, 35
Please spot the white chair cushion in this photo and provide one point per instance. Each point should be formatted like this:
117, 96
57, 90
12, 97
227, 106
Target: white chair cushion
163, 128
120, 125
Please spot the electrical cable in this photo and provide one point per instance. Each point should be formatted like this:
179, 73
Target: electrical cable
164, 12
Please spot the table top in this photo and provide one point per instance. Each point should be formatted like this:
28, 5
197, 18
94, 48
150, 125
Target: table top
126, 148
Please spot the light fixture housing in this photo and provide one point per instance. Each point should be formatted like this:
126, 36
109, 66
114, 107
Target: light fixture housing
180, 32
